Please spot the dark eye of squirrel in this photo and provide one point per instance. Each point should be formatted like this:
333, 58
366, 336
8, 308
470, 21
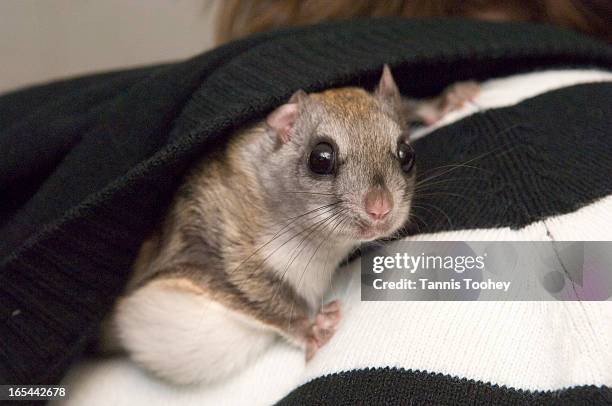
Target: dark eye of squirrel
405, 154
322, 159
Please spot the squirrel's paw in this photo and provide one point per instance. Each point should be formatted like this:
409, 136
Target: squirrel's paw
323, 328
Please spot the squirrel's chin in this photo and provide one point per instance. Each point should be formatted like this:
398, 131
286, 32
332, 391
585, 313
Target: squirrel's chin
373, 232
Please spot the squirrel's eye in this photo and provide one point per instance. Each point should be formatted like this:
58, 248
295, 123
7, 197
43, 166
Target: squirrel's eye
322, 157
405, 154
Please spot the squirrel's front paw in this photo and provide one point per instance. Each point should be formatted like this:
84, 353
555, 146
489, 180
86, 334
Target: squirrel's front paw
323, 328
457, 95
453, 98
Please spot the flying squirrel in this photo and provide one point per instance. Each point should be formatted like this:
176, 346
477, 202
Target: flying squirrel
255, 232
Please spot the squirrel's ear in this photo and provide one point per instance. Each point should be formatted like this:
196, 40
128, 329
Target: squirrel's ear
387, 89
282, 119
299, 96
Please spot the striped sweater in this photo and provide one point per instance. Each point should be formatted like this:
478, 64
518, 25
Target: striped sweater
88, 166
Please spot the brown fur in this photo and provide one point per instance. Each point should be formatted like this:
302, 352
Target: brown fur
209, 239
235, 203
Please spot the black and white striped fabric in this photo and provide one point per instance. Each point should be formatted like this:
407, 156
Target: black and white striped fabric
539, 148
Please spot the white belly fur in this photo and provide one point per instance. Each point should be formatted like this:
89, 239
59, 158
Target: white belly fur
174, 330
307, 266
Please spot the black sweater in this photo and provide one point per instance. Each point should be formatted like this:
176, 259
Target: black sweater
88, 165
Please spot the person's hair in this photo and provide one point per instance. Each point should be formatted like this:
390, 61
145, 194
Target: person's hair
238, 18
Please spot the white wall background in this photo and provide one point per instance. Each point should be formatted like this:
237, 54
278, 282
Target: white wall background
42, 40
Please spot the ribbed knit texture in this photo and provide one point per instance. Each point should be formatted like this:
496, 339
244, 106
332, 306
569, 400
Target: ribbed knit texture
546, 155
88, 166
421, 352
386, 386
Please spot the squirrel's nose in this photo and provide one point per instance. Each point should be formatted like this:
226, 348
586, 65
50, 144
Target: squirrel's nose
378, 202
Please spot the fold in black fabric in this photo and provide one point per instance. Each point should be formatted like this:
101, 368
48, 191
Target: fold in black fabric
87, 166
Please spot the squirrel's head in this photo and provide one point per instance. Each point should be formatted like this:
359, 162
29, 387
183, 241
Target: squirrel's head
343, 157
